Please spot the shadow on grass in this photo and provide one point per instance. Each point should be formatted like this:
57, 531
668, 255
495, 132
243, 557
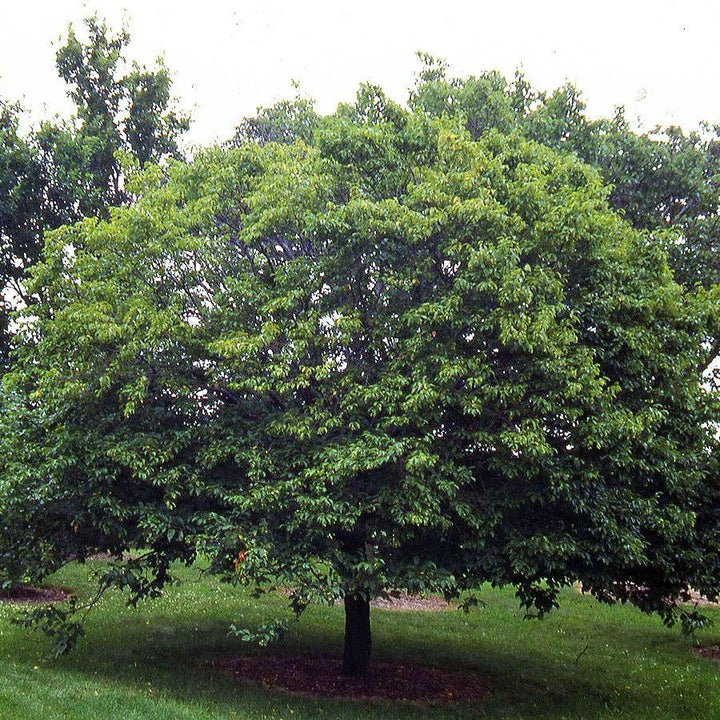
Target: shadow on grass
176, 659
588, 662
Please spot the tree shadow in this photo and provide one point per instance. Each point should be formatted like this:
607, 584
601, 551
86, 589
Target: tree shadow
176, 656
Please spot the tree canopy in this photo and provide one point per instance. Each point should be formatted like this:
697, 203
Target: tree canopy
665, 180
402, 356
662, 179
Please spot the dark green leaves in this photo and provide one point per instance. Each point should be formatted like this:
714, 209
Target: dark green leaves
397, 358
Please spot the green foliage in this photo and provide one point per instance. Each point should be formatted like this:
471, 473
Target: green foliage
62, 172
115, 111
398, 358
56, 623
20, 182
662, 179
284, 122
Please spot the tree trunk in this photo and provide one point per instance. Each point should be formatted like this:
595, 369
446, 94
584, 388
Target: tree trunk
356, 659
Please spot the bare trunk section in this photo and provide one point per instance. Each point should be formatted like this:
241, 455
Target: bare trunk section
356, 659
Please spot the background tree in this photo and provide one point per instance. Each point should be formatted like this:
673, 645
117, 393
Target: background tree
65, 171
398, 358
21, 182
119, 108
662, 179
283, 122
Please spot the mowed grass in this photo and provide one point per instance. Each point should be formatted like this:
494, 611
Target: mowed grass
584, 661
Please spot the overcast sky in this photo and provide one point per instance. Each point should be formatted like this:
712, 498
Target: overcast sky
659, 58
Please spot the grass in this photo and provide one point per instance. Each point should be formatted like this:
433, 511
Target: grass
584, 661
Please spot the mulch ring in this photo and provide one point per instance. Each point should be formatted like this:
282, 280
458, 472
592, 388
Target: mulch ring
695, 598
691, 597
403, 601
711, 652
28, 595
319, 676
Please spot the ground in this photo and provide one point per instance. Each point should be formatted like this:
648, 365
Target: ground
27, 594
320, 676
585, 661
711, 652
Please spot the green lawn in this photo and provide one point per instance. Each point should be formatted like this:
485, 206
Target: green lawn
583, 661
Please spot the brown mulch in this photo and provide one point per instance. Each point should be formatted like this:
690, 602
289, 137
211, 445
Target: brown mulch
319, 676
693, 597
401, 601
28, 594
410, 602
696, 598
102, 556
710, 653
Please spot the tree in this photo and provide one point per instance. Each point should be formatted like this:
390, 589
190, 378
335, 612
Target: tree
64, 171
20, 183
661, 179
118, 109
398, 358
284, 122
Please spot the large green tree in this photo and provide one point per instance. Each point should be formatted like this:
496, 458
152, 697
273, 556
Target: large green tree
397, 358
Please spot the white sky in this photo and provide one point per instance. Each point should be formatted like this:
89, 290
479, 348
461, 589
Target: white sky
660, 58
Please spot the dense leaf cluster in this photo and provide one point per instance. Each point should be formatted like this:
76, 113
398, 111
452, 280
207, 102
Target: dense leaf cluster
397, 357
662, 179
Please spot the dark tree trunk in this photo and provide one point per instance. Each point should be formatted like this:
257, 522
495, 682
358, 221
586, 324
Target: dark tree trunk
356, 659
